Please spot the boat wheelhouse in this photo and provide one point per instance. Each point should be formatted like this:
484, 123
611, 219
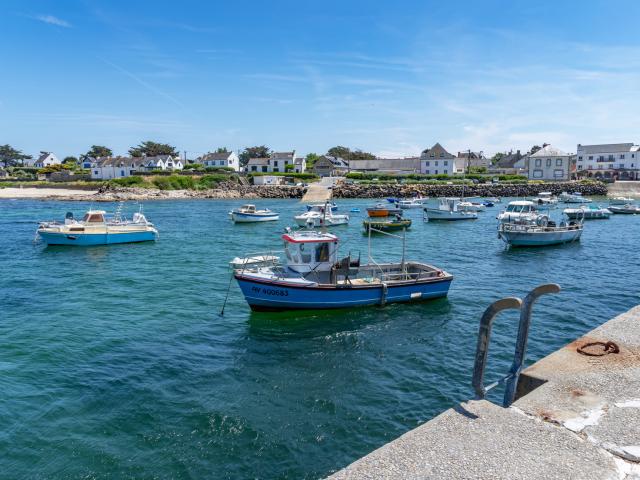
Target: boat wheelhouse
95, 229
448, 210
587, 212
314, 277
321, 215
519, 210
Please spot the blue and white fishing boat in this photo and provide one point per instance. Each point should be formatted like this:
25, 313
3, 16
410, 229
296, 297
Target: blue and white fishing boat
249, 214
540, 232
314, 278
96, 229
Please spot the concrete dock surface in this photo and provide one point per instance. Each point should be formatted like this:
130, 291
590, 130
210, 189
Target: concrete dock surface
576, 417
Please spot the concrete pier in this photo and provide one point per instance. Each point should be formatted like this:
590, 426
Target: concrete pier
576, 417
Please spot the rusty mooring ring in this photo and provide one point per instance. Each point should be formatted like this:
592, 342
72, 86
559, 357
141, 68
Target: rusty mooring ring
608, 347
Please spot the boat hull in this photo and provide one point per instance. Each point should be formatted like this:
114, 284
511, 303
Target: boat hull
88, 239
278, 296
539, 239
386, 226
252, 218
320, 222
444, 215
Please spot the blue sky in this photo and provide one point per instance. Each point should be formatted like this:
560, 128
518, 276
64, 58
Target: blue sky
387, 77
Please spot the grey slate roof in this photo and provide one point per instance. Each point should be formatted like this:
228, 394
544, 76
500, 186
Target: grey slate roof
605, 148
258, 162
508, 161
411, 164
549, 151
215, 156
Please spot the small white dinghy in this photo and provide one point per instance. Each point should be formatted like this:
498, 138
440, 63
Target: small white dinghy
321, 216
255, 261
249, 214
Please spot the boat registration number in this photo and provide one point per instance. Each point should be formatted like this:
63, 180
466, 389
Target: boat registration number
270, 291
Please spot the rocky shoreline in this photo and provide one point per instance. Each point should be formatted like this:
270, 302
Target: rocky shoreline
235, 191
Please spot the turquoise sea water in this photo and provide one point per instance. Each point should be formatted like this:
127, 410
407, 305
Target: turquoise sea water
115, 361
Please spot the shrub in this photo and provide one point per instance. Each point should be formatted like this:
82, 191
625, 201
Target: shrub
128, 181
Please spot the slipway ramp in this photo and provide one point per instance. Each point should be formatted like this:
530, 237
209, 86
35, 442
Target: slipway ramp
317, 193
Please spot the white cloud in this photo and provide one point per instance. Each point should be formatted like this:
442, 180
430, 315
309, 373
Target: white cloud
51, 20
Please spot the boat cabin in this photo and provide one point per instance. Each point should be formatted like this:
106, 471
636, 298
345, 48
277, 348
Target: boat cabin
94, 217
248, 208
308, 251
449, 204
521, 206
548, 195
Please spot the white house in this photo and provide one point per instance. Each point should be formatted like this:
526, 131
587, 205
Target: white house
550, 163
612, 160
277, 162
44, 160
268, 180
299, 165
106, 168
220, 159
437, 161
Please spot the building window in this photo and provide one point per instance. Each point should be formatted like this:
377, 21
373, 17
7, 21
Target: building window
96, 172
538, 162
601, 158
436, 163
445, 171
558, 173
590, 157
537, 173
432, 155
264, 168
446, 163
254, 168
548, 162
427, 172
122, 173
579, 167
580, 157
131, 172
426, 163
435, 172
610, 158
622, 156
621, 165
442, 155
558, 162
275, 163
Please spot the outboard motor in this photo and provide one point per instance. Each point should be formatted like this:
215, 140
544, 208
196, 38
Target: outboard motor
138, 217
68, 218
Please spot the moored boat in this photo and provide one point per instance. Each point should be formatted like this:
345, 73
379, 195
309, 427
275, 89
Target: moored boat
334, 207
249, 214
95, 229
313, 277
540, 232
575, 197
620, 200
382, 210
467, 206
545, 198
321, 216
627, 209
585, 212
448, 211
413, 203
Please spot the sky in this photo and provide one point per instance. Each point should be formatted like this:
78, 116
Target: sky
389, 77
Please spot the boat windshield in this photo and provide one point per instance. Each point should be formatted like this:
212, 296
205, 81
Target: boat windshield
322, 252
93, 218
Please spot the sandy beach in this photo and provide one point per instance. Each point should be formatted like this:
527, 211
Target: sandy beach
43, 192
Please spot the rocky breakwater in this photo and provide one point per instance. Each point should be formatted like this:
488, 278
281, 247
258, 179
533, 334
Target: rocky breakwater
345, 190
226, 190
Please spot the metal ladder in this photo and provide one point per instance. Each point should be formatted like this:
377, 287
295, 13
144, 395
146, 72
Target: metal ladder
484, 336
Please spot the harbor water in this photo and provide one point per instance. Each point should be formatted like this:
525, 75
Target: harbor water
115, 361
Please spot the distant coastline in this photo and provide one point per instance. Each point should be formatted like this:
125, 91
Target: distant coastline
236, 191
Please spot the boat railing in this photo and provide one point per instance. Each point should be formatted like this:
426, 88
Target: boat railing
534, 228
269, 258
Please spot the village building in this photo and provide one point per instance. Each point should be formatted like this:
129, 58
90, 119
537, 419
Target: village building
619, 161
277, 162
220, 159
106, 168
386, 165
438, 161
513, 163
550, 163
44, 160
328, 166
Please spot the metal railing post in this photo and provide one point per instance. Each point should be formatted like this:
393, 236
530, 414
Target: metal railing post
484, 335
523, 336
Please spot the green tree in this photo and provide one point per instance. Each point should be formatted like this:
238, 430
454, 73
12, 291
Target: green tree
496, 158
349, 154
152, 149
535, 148
10, 157
222, 150
70, 160
254, 152
311, 159
289, 167
98, 151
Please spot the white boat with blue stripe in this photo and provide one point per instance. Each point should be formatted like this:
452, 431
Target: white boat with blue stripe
313, 277
249, 214
96, 229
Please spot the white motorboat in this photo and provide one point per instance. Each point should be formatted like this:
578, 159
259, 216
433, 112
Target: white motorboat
627, 209
620, 201
540, 232
575, 197
585, 212
321, 216
448, 210
413, 203
545, 198
254, 261
249, 214
519, 210
471, 207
